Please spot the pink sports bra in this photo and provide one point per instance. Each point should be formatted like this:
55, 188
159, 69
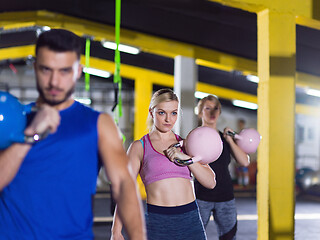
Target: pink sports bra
156, 166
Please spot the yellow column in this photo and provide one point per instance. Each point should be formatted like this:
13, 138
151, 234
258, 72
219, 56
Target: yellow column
263, 124
142, 97
282, 119
276, 99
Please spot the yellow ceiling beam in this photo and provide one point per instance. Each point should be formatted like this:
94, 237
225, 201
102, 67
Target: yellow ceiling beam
18, 25
155, 45
305, 80
302, 79
147, 43
10, 20
300, 8
249, 6
308, 22
132, 72
214, 65
306, 11
17, 52
225, 93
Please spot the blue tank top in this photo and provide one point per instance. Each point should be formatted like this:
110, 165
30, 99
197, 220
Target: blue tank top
51, 195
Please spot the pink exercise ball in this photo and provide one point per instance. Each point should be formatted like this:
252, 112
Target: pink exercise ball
204, 145
248, 140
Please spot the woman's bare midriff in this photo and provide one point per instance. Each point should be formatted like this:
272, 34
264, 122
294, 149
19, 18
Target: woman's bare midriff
170, 192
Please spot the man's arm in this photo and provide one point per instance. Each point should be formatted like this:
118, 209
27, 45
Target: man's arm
135, 155
124, 190
10, 162
12, 157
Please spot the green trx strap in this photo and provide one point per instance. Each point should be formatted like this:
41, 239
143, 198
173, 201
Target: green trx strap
87, 55
117, 78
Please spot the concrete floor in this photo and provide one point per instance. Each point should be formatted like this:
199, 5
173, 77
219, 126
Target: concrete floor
307, 223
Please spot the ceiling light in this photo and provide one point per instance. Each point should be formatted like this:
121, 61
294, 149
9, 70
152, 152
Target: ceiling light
41, 30
252, 78
313, 92
201, 95
86, 101
96, 72
122, 47
46, 28
244, 104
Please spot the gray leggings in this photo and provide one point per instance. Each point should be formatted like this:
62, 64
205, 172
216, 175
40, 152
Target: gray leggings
224, 214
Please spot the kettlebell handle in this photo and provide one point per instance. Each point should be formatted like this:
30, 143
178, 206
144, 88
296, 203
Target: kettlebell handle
234, 134
230, 133
181, 162
36, 137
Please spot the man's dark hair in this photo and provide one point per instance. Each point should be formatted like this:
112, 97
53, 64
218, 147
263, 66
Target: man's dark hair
59, 40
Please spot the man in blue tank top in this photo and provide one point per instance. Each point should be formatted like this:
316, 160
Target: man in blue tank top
46, 189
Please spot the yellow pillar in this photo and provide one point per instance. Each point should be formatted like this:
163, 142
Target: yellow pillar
142, 97
263, 126
276, 99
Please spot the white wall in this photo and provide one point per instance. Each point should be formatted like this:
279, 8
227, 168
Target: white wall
307, 142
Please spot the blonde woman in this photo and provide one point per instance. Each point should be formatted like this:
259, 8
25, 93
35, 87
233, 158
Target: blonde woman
172, 212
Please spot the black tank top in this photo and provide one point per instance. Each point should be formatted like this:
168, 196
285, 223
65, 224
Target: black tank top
224, 188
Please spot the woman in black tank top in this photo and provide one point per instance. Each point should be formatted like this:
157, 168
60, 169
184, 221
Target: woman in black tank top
220, 200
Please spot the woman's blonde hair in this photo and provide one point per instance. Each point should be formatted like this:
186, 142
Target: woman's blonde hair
202, 101
162, 95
